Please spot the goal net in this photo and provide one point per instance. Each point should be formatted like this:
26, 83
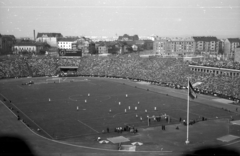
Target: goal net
234, 128
53, 80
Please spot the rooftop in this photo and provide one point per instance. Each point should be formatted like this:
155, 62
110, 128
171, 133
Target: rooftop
205, 38
234, 40
67, 39
49, 35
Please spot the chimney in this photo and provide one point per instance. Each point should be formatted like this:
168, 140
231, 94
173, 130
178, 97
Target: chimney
34, 35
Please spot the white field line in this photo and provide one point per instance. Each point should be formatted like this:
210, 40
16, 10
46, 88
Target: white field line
30, 119
64, 79
87, 126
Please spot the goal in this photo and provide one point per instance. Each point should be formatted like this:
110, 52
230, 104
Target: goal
53, 80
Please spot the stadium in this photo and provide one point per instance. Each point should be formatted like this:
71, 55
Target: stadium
118, 105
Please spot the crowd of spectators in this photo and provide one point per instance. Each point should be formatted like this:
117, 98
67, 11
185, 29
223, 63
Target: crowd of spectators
172, 72
217, 63
17, 67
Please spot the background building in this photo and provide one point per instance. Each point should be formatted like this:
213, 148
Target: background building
7, 43
66, 43
126, 37
174, 46
160, 46
30, 47
207, 45
49, 38
181, 46
230, 44
237, 54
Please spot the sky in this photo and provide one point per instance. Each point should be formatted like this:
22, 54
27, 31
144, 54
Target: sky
220, 18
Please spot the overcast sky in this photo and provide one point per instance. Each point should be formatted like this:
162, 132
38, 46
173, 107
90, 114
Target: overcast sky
219, 18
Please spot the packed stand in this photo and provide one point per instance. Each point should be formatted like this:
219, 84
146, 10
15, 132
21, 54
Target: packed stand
170, 72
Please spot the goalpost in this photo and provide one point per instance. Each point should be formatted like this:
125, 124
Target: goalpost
53, 80
165, 116
234, 127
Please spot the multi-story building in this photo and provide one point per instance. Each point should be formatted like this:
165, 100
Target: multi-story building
82, 44
49, 38
237, 54
174, 46
7, 42
230, 45
66, 43
102, 48
221, 46
30, 47
208, 45
181, 46
160, 46
147, 44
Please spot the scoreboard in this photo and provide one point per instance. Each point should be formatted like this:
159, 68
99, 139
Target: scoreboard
70, 53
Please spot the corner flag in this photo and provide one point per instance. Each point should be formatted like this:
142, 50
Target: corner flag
192, 93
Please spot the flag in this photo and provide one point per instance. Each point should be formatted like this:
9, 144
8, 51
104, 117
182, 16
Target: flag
192, 93
196, 84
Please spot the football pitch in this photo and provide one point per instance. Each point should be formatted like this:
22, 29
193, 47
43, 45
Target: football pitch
86, 106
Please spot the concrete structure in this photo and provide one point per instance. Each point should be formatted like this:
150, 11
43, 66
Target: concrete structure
181, 46
66, 43
221, 46
215, 71
31, 47
49, 38
102, 49
6, 44
174, 46
237, 55
230, 44
160, 46
82, 44
207, 45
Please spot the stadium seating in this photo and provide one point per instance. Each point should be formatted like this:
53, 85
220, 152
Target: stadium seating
170, 72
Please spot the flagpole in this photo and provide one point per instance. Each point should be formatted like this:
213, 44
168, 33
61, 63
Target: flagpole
187, 141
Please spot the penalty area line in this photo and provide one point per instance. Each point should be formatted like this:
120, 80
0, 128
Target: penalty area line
88, 126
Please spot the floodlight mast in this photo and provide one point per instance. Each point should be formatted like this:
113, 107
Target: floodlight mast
187, 140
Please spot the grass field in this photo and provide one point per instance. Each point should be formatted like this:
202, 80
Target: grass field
58, 118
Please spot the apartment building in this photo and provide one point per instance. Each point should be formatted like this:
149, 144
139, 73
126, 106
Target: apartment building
66, 43
161, 46
230, 44
237, 54
174, 46
208, 44
182, 46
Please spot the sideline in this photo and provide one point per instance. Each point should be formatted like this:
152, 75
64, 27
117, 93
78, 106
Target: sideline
27, 117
